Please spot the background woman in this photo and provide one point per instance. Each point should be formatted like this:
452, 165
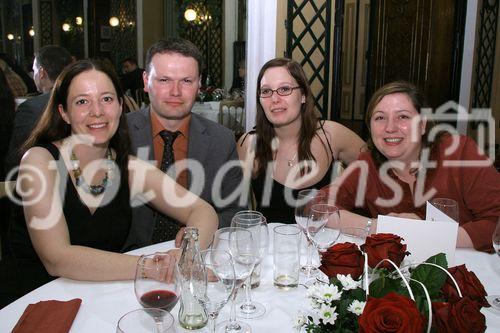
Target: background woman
290, 146
75, 230
400, 139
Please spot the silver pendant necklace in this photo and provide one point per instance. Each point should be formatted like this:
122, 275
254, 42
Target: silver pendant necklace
290, 162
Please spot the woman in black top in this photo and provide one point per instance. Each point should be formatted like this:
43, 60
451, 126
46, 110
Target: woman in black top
290, 149
76, 180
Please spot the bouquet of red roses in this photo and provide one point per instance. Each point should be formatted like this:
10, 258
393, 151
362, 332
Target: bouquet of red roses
393, 301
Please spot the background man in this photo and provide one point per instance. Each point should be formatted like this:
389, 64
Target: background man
49, 62
172, 79
132, 78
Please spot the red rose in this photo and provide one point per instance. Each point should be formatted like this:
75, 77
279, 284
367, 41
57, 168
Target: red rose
469, 286
463, 316
384, 246
391, 313
343, 258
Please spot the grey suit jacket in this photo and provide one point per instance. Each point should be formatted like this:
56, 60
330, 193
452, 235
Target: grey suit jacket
27, 115
212, 145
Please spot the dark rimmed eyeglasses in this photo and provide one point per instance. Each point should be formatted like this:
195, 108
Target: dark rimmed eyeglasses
282, 91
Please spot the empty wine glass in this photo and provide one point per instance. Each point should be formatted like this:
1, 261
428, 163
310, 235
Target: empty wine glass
146, 320
214, 285
494, 300
151, 288
321, 236
447, 206
256, 223
239, 243
305, 199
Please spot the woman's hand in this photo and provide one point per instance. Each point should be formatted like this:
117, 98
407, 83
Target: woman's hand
165, 263
406, 215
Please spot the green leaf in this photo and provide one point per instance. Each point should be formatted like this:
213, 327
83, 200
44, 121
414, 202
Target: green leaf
432, 277
384, 285
358, 294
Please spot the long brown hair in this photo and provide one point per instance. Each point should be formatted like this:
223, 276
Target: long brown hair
52, 127
418, 101
265, 129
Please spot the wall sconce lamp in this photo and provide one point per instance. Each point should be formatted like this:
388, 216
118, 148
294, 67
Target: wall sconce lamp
31, 32
10, 36
78, 20
66, 27
114, 21
190, 15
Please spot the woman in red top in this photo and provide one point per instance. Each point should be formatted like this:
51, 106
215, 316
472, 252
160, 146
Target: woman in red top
409, 163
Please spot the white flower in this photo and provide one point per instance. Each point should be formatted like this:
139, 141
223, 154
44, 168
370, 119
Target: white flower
357, 307
324, 293
299, 320
347, 282
327, 314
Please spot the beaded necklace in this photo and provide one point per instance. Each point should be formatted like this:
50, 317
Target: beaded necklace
95, 190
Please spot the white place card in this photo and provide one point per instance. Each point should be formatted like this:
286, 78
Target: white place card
434, 214
423, 238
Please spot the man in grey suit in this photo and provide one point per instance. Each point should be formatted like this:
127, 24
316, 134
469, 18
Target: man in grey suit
172, 78
49, 62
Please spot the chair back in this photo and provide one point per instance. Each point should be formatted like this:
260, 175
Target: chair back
232, 115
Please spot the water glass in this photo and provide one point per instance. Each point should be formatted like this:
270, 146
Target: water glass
447, 206
286, 256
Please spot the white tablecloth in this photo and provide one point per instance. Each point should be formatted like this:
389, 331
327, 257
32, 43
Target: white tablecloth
103, 303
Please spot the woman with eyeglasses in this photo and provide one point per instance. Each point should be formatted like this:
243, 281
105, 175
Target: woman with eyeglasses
290, 149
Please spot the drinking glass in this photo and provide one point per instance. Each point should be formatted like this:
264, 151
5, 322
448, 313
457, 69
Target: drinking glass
239, 243
447, 206
353, 235
151, 289
256, 223
321, 236
305, 199
146, 320
494, 300
214, 285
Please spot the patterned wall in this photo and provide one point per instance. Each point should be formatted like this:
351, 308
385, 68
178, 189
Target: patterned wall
308, 42
486, 53
123, 42
206, 32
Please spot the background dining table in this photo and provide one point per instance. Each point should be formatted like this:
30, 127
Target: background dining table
103, 303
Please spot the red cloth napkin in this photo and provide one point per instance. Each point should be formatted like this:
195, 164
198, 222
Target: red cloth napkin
48, 316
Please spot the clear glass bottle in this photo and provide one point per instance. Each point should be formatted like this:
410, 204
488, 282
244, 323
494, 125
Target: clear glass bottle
192, 316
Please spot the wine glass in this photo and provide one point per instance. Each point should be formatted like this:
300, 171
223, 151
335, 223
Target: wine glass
353, 235
239, 243
256, 223
146, 320
318, 233
305, 199
447, 206
494, 300
215, 283
151, 288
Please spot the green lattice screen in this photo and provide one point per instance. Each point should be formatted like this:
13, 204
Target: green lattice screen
308, 42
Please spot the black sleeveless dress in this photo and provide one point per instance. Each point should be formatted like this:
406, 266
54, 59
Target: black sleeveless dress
106, 229
274, 205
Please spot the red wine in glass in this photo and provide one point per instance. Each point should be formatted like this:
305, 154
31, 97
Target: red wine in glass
162, 299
